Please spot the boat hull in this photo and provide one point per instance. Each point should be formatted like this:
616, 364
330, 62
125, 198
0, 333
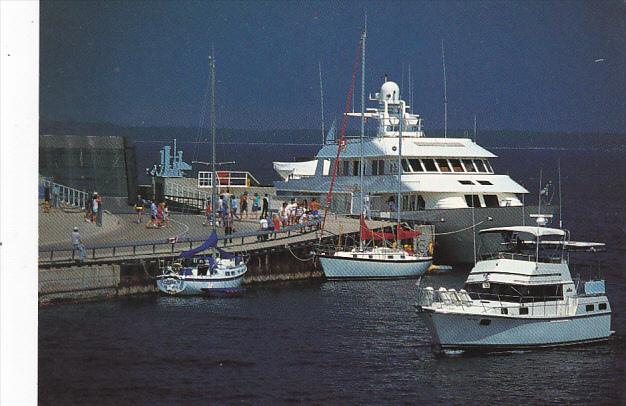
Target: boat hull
454, 239
352, 268
458, 331
181, 285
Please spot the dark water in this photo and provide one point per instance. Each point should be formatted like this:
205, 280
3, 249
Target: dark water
340, 342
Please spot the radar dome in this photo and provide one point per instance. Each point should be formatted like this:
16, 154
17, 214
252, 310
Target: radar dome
389, 92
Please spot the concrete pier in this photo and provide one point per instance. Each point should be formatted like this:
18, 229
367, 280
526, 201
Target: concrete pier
123, 255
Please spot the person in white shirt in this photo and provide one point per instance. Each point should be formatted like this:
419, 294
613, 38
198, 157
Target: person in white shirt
263, 227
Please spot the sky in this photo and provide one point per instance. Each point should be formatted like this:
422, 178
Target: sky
521, 65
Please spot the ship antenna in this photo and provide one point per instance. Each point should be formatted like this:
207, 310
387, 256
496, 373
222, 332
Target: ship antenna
560, 198
322, 101
539, 205
474, 128
445, 92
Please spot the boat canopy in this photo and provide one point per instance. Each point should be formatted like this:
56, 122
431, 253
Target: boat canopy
533, 230
209, 243
295, 169
401, 234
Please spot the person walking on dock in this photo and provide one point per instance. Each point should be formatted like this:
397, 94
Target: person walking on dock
207, 213
100, 211
228, 227
243, 204
78, 246
139, 208
234, 205
94, 207
256, 204
265, 206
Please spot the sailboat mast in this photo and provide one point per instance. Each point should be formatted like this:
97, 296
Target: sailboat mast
361, 166
400, 124
213, 176
445, 92
322, 101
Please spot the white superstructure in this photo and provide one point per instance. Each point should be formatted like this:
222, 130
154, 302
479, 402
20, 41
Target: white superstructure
437, 173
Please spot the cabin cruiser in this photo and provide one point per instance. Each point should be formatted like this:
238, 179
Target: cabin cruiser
520, 295
448, 182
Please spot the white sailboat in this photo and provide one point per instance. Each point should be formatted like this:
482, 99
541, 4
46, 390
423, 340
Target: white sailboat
217, 272
367, 261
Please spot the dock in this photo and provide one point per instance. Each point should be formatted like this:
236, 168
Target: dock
123, 255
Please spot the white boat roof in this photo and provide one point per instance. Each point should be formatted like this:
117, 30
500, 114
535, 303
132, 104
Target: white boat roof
411, 147
285, 169
533, 230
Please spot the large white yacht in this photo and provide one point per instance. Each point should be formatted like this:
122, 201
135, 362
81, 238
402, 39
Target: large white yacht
448, 182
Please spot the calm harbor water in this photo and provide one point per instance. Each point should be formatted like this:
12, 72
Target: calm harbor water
339, 342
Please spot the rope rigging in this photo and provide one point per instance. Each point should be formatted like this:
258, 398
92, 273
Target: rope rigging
342, 142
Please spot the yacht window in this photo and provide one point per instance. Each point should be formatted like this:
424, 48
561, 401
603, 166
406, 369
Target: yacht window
356, 165
472, 201
523, 310
479, 164
491, 200
456, 165
469, 166
378, 167
405, 203
405, 166
504, 310
514, 293
416, 165
371, 256
346, 168
421, 204
389, 256
589, 308
602, 306
466, 182
485, 182
484, 322
443, 165
429, 165
354, 255
402, 257
488, 166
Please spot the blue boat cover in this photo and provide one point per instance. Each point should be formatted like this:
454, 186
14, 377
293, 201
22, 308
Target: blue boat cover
210, 242
228, 255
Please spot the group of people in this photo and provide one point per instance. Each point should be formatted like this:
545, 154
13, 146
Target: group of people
94, 209
230, 207
291, 213
159, 213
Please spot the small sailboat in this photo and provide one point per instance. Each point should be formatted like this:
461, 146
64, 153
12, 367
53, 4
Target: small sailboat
192, 274
369, 261
219, 271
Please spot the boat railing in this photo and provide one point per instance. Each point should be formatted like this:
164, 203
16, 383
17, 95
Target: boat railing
227, 179
520, 257
443, 298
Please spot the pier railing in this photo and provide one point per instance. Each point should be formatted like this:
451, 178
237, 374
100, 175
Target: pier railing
65, 194
240, 241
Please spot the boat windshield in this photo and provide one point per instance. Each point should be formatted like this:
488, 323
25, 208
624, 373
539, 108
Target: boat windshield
511, 244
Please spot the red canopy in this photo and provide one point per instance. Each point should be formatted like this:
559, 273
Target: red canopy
369, 234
